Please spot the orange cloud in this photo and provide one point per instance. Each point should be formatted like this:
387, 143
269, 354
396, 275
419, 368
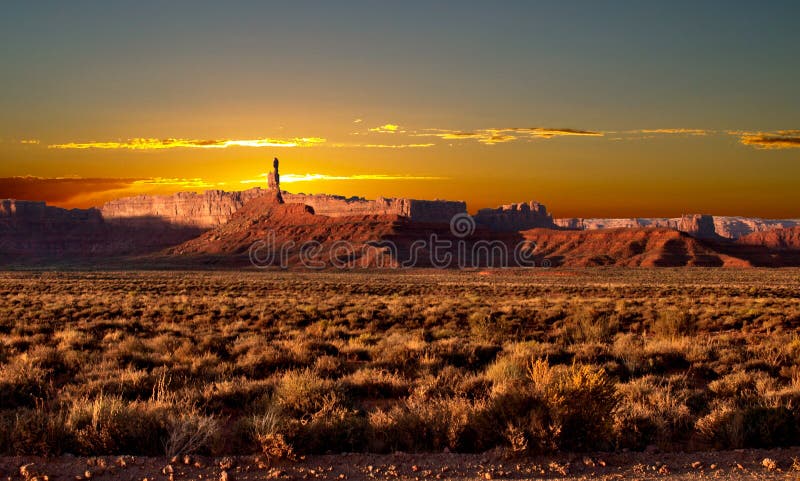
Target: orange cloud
155, 144
387, 129
782, 139
396, 146
347, 145
501, 135
191, 183
544, 133
672, 131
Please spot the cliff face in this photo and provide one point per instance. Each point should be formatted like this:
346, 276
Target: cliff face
579, 223
440, 211
30, 229
783, 239
215, 207
185, 209
736, 227
699, 225
26, 214
515, 217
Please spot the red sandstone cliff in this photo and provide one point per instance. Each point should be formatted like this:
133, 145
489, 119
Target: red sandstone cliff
190, 209
784, 239
417, 210
215, 207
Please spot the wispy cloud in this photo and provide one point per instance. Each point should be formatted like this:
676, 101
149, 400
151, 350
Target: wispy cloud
178, 182
396, 146
291, 178
672, 131
155, 144
355, 145
387, 129
29, 141
782, 139
358, 121
493, 136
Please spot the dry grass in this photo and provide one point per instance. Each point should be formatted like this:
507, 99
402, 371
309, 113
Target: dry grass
286, 363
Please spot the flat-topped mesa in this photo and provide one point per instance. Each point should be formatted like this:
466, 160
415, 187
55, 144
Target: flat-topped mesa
186, 209
439, 211
732, 227
701, 226
698, 225
515, 217
214, 207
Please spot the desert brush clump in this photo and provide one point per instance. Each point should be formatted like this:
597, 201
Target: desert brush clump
285, 364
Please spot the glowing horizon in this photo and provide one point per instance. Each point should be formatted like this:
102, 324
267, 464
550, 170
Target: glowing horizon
595, 111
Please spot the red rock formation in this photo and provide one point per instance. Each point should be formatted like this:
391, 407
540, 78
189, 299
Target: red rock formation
274, 181
736, 227
782, 239
515, 217
281, 225
293, 225
724, 226
645, 247
215, 207
184, 209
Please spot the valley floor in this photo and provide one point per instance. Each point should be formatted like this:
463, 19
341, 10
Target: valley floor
293, 364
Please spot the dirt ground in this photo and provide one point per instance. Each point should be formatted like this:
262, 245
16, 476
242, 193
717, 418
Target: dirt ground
739, 465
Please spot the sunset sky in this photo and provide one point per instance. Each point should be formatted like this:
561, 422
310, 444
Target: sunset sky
599, 109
